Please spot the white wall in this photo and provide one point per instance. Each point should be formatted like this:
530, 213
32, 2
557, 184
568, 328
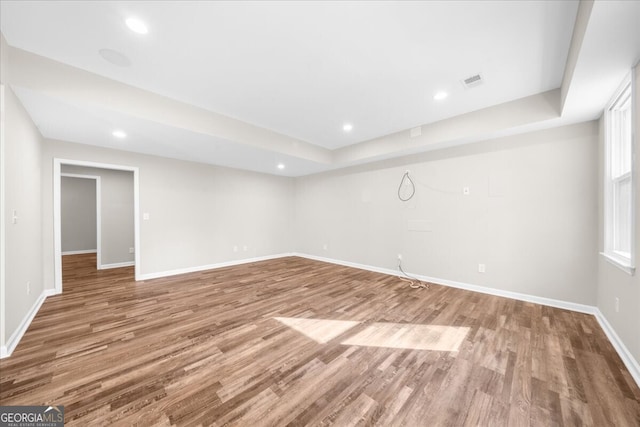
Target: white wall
4, 56
78, 214
23, 240
197, 213
613, 282
531, 216
117, 212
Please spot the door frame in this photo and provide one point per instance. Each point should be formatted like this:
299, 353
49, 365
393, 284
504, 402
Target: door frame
57, 225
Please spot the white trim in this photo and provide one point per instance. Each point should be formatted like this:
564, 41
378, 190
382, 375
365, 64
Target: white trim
621, 265
116, 265
14, 339
175, 272
627, 358
5, 351
98, 212
349, 264
624, 353
57, 229
2, 225
624, 263
98, 221
86, 251
581, 308
57, 164
136, 225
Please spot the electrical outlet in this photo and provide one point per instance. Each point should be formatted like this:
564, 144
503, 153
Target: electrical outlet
481, 268
245, 248
465, 191
235, 248
131, 250
617, 305
399, 257
28, 288
325, 247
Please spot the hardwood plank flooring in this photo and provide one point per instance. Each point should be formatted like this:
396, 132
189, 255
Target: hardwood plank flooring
259, 345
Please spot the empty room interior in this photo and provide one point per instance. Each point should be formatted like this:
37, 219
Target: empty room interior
389, 213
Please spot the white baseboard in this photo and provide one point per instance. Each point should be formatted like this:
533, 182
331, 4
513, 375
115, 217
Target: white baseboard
582, 308
12, 342
624, 353
627, 358
14, 339
116, 265
87, 251
49, 292
168, 273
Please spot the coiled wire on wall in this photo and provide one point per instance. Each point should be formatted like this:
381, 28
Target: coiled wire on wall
408, 182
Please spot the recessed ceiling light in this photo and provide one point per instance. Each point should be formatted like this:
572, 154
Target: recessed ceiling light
137, 26
348, 127
280, 166
119, 134
440, 96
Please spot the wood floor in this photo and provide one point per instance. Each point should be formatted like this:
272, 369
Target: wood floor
299, 342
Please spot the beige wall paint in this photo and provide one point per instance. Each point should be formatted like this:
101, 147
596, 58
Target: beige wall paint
78, 214
530, 217
117, 213
197, 212
23, 240
612, 281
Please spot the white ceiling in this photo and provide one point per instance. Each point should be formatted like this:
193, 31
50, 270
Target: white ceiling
297, 69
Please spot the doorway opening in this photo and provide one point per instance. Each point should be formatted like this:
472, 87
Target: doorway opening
61, 170
80, 216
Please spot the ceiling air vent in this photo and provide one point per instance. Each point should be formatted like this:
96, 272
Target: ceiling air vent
472, 81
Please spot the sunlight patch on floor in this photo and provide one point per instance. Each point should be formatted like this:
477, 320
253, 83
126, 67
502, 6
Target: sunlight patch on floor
410, 336
319, 330
390, 335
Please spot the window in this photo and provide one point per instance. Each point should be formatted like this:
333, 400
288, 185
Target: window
619, 179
